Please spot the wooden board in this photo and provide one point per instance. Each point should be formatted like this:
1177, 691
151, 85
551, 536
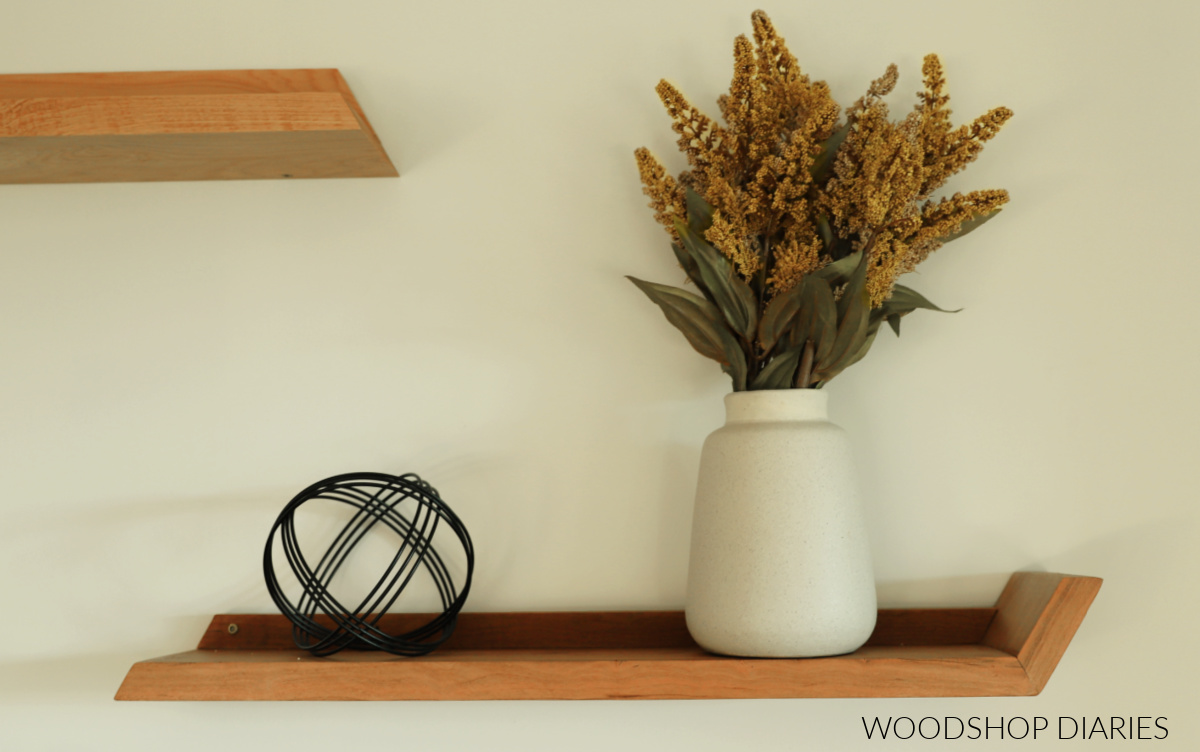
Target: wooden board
1008, 650
185, 125
1037, 616
575, 630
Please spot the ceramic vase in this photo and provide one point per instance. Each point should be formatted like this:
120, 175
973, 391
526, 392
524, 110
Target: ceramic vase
780, 564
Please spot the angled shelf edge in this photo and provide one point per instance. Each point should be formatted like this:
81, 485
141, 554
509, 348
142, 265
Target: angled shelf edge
184, 125
1011, 649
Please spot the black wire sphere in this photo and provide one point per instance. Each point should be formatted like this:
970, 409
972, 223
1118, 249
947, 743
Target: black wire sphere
412, 509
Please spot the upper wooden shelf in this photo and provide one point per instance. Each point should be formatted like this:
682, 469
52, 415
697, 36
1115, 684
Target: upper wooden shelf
185, 125
1008, 650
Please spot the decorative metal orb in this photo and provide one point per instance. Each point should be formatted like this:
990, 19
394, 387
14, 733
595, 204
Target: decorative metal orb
409, 507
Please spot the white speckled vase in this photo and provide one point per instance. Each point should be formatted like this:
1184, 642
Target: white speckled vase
780, 564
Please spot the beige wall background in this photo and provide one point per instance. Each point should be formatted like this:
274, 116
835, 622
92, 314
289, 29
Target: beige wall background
179, 359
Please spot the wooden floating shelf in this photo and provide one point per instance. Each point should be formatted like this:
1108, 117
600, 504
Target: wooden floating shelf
964, 652
185, 125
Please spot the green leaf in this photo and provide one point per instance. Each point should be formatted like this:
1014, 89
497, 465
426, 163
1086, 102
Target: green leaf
699, 320
862, 351
903, 301
805, 312
826, 232
817, 318
738, 375
699, 212
778, 317
855, 285
781, 371
836, 247
702, 325
974, 223
730, 292
838, 273
854, 313
691, 269
864, 348
823, 165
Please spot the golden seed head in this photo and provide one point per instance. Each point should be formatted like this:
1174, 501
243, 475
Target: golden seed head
771, 186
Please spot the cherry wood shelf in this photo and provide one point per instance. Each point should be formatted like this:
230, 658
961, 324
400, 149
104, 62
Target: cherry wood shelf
1011, 649
184, 125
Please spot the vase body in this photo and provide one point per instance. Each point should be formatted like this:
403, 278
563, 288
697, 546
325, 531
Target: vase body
780, 565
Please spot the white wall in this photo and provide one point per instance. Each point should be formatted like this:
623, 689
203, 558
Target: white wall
179, 359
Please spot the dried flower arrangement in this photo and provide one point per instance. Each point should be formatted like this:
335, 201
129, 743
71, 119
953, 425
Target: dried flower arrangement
794, 223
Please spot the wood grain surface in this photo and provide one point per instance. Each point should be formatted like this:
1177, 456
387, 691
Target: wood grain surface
190, 125
1009, 650
1038, 614
650, 673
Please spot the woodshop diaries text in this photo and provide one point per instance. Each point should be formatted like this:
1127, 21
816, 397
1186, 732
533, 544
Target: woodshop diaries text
1145, 728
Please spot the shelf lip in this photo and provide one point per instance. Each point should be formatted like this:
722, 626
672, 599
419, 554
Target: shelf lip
185, 125
963, 671
1006, 651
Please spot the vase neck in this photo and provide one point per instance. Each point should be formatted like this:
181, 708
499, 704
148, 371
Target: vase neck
776, 405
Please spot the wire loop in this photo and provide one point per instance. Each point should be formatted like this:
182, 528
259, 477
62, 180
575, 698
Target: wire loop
377, 498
